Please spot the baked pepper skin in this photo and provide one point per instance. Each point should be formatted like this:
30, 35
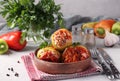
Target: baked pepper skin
14, 40
116, 28
102, 26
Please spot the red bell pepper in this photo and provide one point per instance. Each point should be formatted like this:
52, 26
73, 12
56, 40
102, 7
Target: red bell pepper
102, 26
14, 40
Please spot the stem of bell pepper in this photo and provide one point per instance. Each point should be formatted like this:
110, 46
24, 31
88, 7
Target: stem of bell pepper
22, 41
100, 31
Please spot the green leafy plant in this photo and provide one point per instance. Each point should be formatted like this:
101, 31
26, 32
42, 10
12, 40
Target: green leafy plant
36, 20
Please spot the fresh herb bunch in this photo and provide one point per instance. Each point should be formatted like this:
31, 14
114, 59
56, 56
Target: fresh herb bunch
36, 20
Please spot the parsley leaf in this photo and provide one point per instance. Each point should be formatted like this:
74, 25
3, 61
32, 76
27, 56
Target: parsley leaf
36, 20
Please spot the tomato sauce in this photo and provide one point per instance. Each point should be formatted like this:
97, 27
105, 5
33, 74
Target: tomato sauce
74, 54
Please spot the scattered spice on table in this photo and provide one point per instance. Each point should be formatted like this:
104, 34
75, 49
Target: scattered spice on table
8, 68
7, 74
18, 61
16, 74
12, 69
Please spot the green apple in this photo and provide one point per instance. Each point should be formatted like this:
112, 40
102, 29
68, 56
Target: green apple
116, 28
3, 46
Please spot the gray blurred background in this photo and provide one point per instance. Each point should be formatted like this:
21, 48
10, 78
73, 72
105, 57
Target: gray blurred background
76, 10
92, 8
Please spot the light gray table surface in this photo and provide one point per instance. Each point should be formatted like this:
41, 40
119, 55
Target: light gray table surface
10, 60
